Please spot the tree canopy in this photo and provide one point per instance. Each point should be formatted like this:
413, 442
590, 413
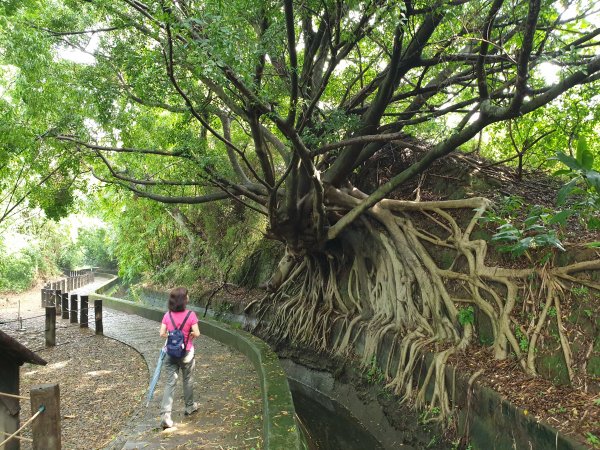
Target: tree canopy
277, 104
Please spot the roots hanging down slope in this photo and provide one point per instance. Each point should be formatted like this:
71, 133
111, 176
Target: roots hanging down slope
406, 270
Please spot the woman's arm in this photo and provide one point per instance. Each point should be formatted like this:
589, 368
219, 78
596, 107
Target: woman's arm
163, 330
195, 330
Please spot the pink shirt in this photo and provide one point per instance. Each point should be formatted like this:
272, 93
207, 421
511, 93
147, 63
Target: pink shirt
187, 328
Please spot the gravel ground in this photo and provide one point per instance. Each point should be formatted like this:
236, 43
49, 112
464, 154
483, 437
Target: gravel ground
103, 381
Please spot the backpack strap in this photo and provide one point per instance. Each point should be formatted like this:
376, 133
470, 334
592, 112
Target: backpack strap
181, 328
172, 321
184, 320
175, 327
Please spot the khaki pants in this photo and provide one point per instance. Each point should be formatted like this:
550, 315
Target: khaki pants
172, 366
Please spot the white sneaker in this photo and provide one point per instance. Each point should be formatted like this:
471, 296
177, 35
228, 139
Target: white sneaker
166, 422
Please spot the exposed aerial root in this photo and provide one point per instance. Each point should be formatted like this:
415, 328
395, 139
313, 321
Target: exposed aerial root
387, 281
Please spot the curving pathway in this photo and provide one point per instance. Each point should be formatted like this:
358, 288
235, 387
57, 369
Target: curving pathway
226, 386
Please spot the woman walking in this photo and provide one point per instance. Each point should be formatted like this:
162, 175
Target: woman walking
178, 317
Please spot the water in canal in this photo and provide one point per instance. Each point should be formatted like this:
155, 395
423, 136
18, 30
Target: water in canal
327, 424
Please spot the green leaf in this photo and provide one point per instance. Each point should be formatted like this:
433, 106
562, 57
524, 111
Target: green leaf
535, 227
561, 217
584, 156
561, 172
593, 178
518, 248
550, 240
593, 223
568, 161
466, 315
506, 227
529, 221
511, 235
593, 244
564, 191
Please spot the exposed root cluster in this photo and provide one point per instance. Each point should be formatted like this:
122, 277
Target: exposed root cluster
384, 278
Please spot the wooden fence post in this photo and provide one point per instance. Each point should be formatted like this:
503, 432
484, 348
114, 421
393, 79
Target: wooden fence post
58, 302
83, 312
45, 429
98, 316
73, 309
65, 305
50, 326
55, 297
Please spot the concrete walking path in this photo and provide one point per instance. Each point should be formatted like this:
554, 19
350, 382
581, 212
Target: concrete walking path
226, 386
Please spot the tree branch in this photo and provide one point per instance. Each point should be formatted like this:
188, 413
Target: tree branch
483, 49
167, 199
74, 33
525, 52
67, 138
291, 45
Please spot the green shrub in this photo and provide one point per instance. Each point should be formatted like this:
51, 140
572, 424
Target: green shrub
523, 229
70, 257
178, 273
19, 271
97, 247
582, 192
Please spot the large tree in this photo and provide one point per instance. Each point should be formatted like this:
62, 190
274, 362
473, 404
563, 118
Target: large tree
278, 105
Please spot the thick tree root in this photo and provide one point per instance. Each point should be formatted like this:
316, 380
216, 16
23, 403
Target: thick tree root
386, 280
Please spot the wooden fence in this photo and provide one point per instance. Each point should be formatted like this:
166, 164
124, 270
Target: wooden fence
76, 310
74, 280
45, 422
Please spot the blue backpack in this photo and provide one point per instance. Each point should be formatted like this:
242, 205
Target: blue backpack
176, 343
